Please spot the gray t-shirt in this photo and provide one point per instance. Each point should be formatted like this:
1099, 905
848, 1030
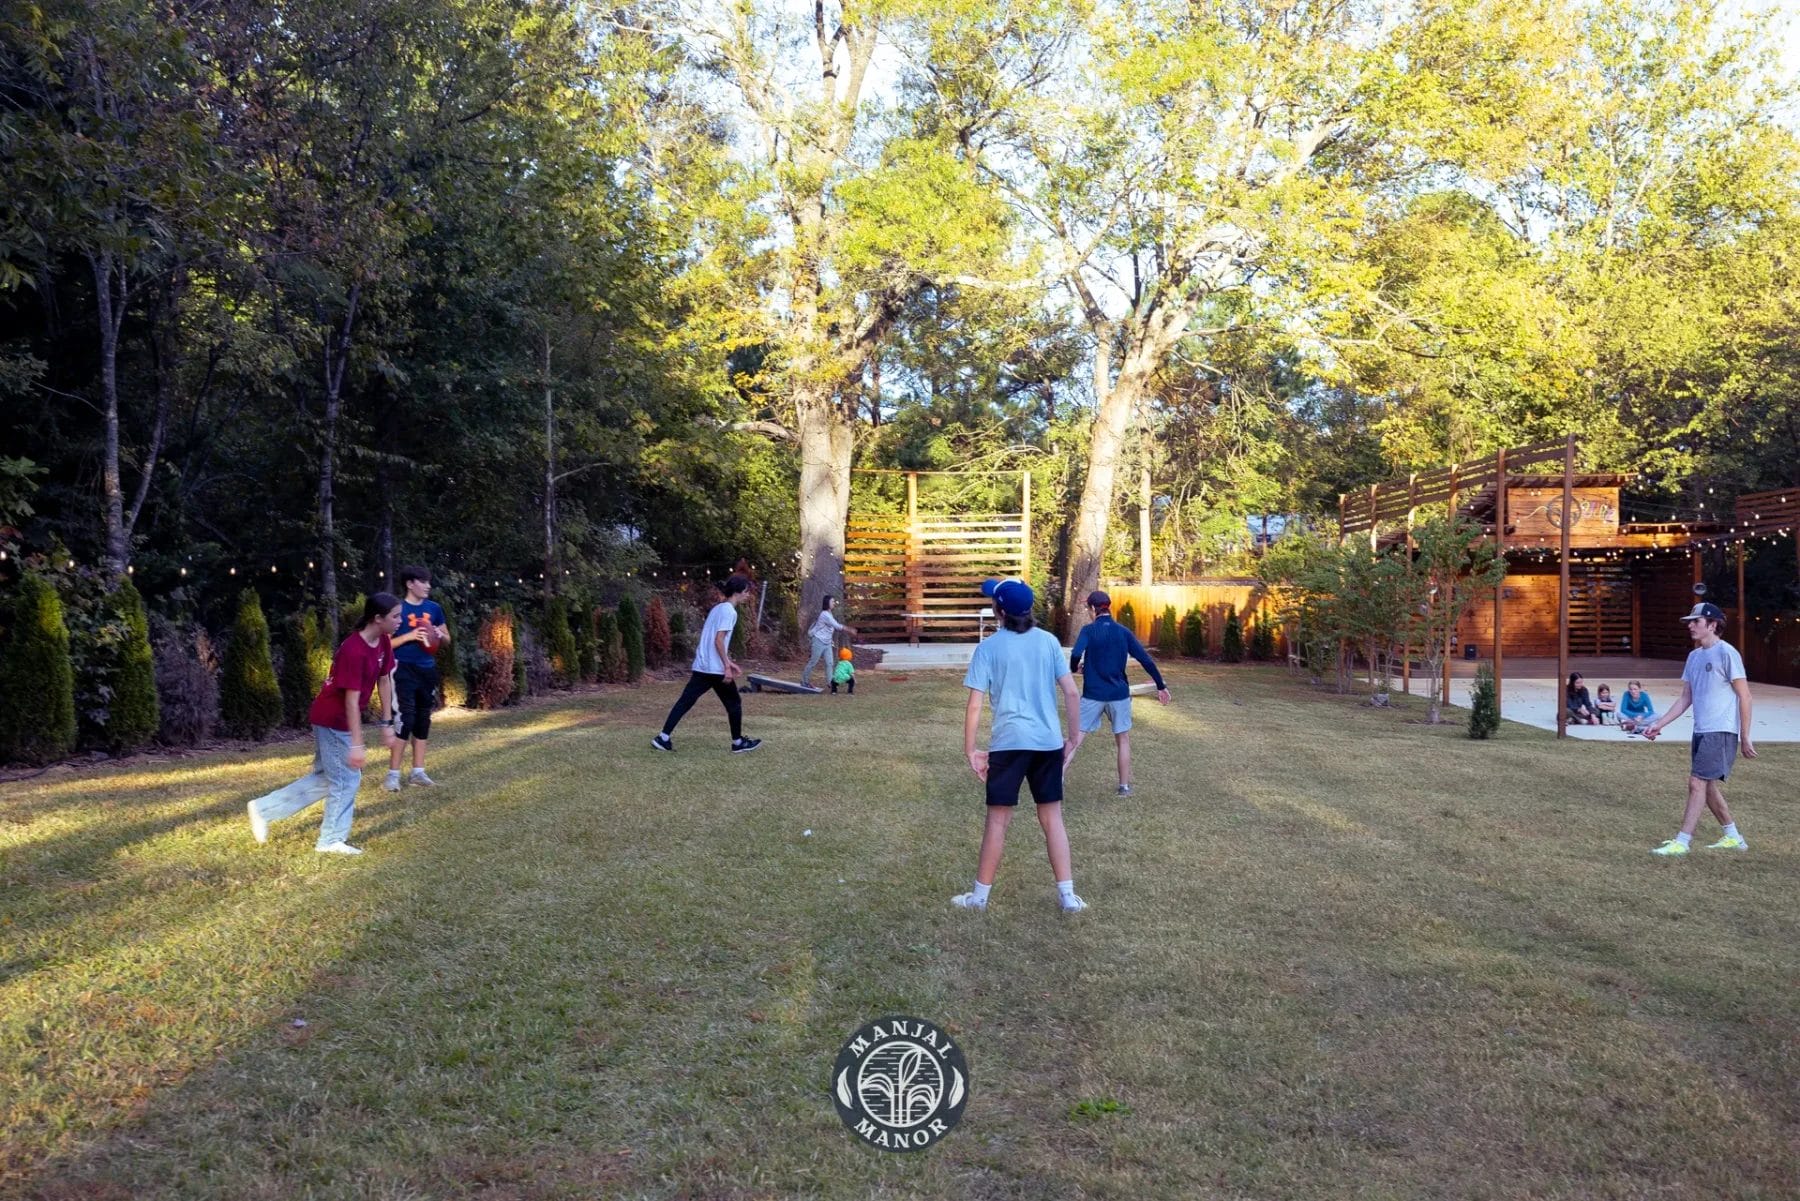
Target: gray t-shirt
723, 617
1708, 675
1020, 674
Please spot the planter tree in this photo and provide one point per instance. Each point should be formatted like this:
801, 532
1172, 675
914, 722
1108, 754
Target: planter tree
1453, 564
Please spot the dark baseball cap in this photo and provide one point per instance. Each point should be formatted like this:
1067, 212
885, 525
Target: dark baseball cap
1707, 610
1010, 596
1099, 599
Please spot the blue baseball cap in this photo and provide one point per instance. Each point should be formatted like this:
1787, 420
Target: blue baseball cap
1010, 596
1707, 610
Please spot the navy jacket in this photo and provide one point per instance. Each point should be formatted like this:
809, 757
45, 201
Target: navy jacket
1106, 643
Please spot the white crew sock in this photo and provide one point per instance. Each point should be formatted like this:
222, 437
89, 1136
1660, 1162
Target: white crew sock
393, 775
1684, 839
980, 892
1731, 831
1065, 889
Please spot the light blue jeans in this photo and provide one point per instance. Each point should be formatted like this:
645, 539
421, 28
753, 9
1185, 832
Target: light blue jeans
331, 780
821, 650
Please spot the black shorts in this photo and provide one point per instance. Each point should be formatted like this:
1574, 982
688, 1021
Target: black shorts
1043, 770
415, 692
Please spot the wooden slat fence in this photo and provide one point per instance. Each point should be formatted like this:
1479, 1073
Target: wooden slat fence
1216, 597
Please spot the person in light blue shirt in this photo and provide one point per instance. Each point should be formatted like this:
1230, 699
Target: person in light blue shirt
1636, 709
1020, 671
1713, 682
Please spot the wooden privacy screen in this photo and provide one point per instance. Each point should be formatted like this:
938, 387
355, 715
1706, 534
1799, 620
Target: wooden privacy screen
918, 576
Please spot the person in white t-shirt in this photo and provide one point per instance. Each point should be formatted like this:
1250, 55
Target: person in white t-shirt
1713, 683
715, 670
823, 633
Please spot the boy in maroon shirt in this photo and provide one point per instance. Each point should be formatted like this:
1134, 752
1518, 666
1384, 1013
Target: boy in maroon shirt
363, 662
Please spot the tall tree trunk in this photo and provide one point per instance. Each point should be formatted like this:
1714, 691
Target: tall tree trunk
827, 439
337, 358
1088, 545
550, 571
111, 292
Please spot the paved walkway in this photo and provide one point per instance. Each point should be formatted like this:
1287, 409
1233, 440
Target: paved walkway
1774, 714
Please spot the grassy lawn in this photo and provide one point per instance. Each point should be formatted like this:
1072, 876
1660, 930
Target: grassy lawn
1333, 954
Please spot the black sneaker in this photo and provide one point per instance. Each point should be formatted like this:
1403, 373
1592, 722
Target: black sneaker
663, 742
742, 745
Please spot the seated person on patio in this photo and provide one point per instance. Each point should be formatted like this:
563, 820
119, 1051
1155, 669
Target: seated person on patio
1635, 708
1604, 704
1580, 705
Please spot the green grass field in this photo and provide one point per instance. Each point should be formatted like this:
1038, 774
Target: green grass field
1333, 953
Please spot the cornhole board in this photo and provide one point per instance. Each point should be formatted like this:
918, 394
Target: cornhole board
771, 684
1144, 689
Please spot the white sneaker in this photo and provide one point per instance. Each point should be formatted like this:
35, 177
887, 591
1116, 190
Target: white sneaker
1071, 903
259, 825
392, 783
420, 778
966, 900
339, 848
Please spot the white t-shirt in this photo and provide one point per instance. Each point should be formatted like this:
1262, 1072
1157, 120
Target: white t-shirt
723, 617
826, 626
1708, 675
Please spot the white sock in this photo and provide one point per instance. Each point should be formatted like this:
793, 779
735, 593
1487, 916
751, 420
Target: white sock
1731, 831
980, 892
393, 773
1684, 839
418, 771
1065, 889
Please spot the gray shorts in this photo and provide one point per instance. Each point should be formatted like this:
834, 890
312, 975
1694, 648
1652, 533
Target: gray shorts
1713, 754
1117, 712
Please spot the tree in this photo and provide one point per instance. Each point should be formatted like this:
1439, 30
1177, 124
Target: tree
305, 662
559, 642
491, 666
1453, 564
135, 716
1484, 704
866, 215
1193, 633
612, 649
37, 681
631, 635
658, 640
1168, 633
1231, 642
249, 696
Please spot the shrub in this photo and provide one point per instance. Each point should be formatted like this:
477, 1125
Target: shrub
1262, 639
1484, 706
1231, 644
610, 648
305, 662
587, 648
532, 675
187, 684
491, 666
452, 689
681, 647
559, 643
135, 715
631, 635
1127, 617
657, 638
348, 616
97, 636
1193, 633
521, 671
1168, 632
249, 697
37, 679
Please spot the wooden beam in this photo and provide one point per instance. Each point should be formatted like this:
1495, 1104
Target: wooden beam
1144, 571
1743, 634
1412, 512
1025, 527
915, 583
1562, 592
1449, 627
1499, 588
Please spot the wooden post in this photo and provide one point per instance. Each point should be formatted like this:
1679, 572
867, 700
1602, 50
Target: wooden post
1025, 531
1342, 497
1562, 597
1373, 532
1412, 509
1743, 633
1499, 588
1144, 530
1637, 615
1449, 627
915, 582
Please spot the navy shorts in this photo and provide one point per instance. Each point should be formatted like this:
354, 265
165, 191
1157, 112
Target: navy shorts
1043, 770
1713, 754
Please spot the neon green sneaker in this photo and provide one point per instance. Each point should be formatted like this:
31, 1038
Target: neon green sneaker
1670, 848
1731, 842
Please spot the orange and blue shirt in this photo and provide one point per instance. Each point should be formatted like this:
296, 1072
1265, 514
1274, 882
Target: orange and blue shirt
412, 617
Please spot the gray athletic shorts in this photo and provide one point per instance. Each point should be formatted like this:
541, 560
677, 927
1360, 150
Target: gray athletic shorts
1713, 754
1117, 712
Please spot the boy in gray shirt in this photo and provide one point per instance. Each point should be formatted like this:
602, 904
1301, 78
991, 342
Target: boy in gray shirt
1713, 683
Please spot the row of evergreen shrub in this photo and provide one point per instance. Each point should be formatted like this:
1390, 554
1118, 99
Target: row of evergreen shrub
1187, 634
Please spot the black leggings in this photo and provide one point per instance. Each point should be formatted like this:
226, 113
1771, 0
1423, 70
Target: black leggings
699, 683
415, 691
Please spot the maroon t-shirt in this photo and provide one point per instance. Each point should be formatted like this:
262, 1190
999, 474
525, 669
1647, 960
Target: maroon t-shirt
356, 668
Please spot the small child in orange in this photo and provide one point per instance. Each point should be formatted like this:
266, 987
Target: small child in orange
844, 673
